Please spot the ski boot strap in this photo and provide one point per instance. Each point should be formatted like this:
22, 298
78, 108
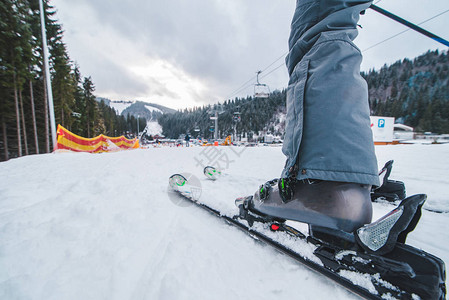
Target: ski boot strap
287, 186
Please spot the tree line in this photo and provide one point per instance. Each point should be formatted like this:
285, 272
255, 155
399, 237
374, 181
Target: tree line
415, 92
243, 116
24, 114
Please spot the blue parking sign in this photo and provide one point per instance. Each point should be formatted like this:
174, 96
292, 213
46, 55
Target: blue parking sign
381, 123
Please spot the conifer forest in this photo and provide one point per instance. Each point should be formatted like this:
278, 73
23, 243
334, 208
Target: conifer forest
24, 114
414, 91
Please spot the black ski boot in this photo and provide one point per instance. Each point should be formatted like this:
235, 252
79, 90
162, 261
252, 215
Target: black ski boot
338, 205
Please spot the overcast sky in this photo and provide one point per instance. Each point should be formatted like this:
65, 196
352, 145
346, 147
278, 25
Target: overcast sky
182, 53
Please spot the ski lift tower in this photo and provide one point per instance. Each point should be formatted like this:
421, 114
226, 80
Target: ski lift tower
236, 118
261, 90
197, 130
217, 110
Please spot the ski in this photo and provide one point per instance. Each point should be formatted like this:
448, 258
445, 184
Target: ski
336, 255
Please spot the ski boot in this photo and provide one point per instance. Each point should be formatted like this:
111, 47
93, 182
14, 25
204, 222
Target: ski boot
338, 205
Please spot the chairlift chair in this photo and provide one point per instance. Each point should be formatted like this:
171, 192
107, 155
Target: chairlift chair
261, 90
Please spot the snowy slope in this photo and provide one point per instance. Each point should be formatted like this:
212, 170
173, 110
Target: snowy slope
153, 128
82, 226
152, 109
120, 106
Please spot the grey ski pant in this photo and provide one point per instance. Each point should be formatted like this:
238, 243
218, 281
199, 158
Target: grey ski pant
328, 133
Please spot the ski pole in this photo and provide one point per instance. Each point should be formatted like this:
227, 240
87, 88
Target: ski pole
409, 24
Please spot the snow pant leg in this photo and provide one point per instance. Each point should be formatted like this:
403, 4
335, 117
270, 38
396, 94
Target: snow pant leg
328, 133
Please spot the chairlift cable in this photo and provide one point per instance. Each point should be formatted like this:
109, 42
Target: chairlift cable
282, 56
377, 9
242, 87
266, 74
250, 81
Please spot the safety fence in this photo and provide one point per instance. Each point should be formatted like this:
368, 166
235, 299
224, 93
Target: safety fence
102, 143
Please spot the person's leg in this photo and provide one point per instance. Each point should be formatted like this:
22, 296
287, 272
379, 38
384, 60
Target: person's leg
328, 142
328, 135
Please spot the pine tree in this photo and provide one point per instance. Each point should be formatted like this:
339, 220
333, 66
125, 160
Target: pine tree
91, 108
15, 57
23, 94
79, 110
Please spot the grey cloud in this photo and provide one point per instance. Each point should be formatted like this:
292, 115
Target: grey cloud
114, 78
201, 38
223, 43
160, 89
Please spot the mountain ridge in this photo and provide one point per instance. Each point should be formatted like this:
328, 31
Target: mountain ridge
136, 108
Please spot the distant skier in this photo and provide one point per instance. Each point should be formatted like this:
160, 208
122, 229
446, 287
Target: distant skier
331, 164
187, 139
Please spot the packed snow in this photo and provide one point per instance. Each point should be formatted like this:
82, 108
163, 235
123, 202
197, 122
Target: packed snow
106, 226
153, 109
120, 106
153, 128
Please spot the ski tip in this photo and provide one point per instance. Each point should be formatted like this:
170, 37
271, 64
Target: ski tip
211, 173
177, 180
186, 184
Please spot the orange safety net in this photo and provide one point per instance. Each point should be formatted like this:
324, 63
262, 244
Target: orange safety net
102, 143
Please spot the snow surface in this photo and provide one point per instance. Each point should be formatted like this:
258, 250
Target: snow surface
120, 106
152, 109
105, 226
153, 128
